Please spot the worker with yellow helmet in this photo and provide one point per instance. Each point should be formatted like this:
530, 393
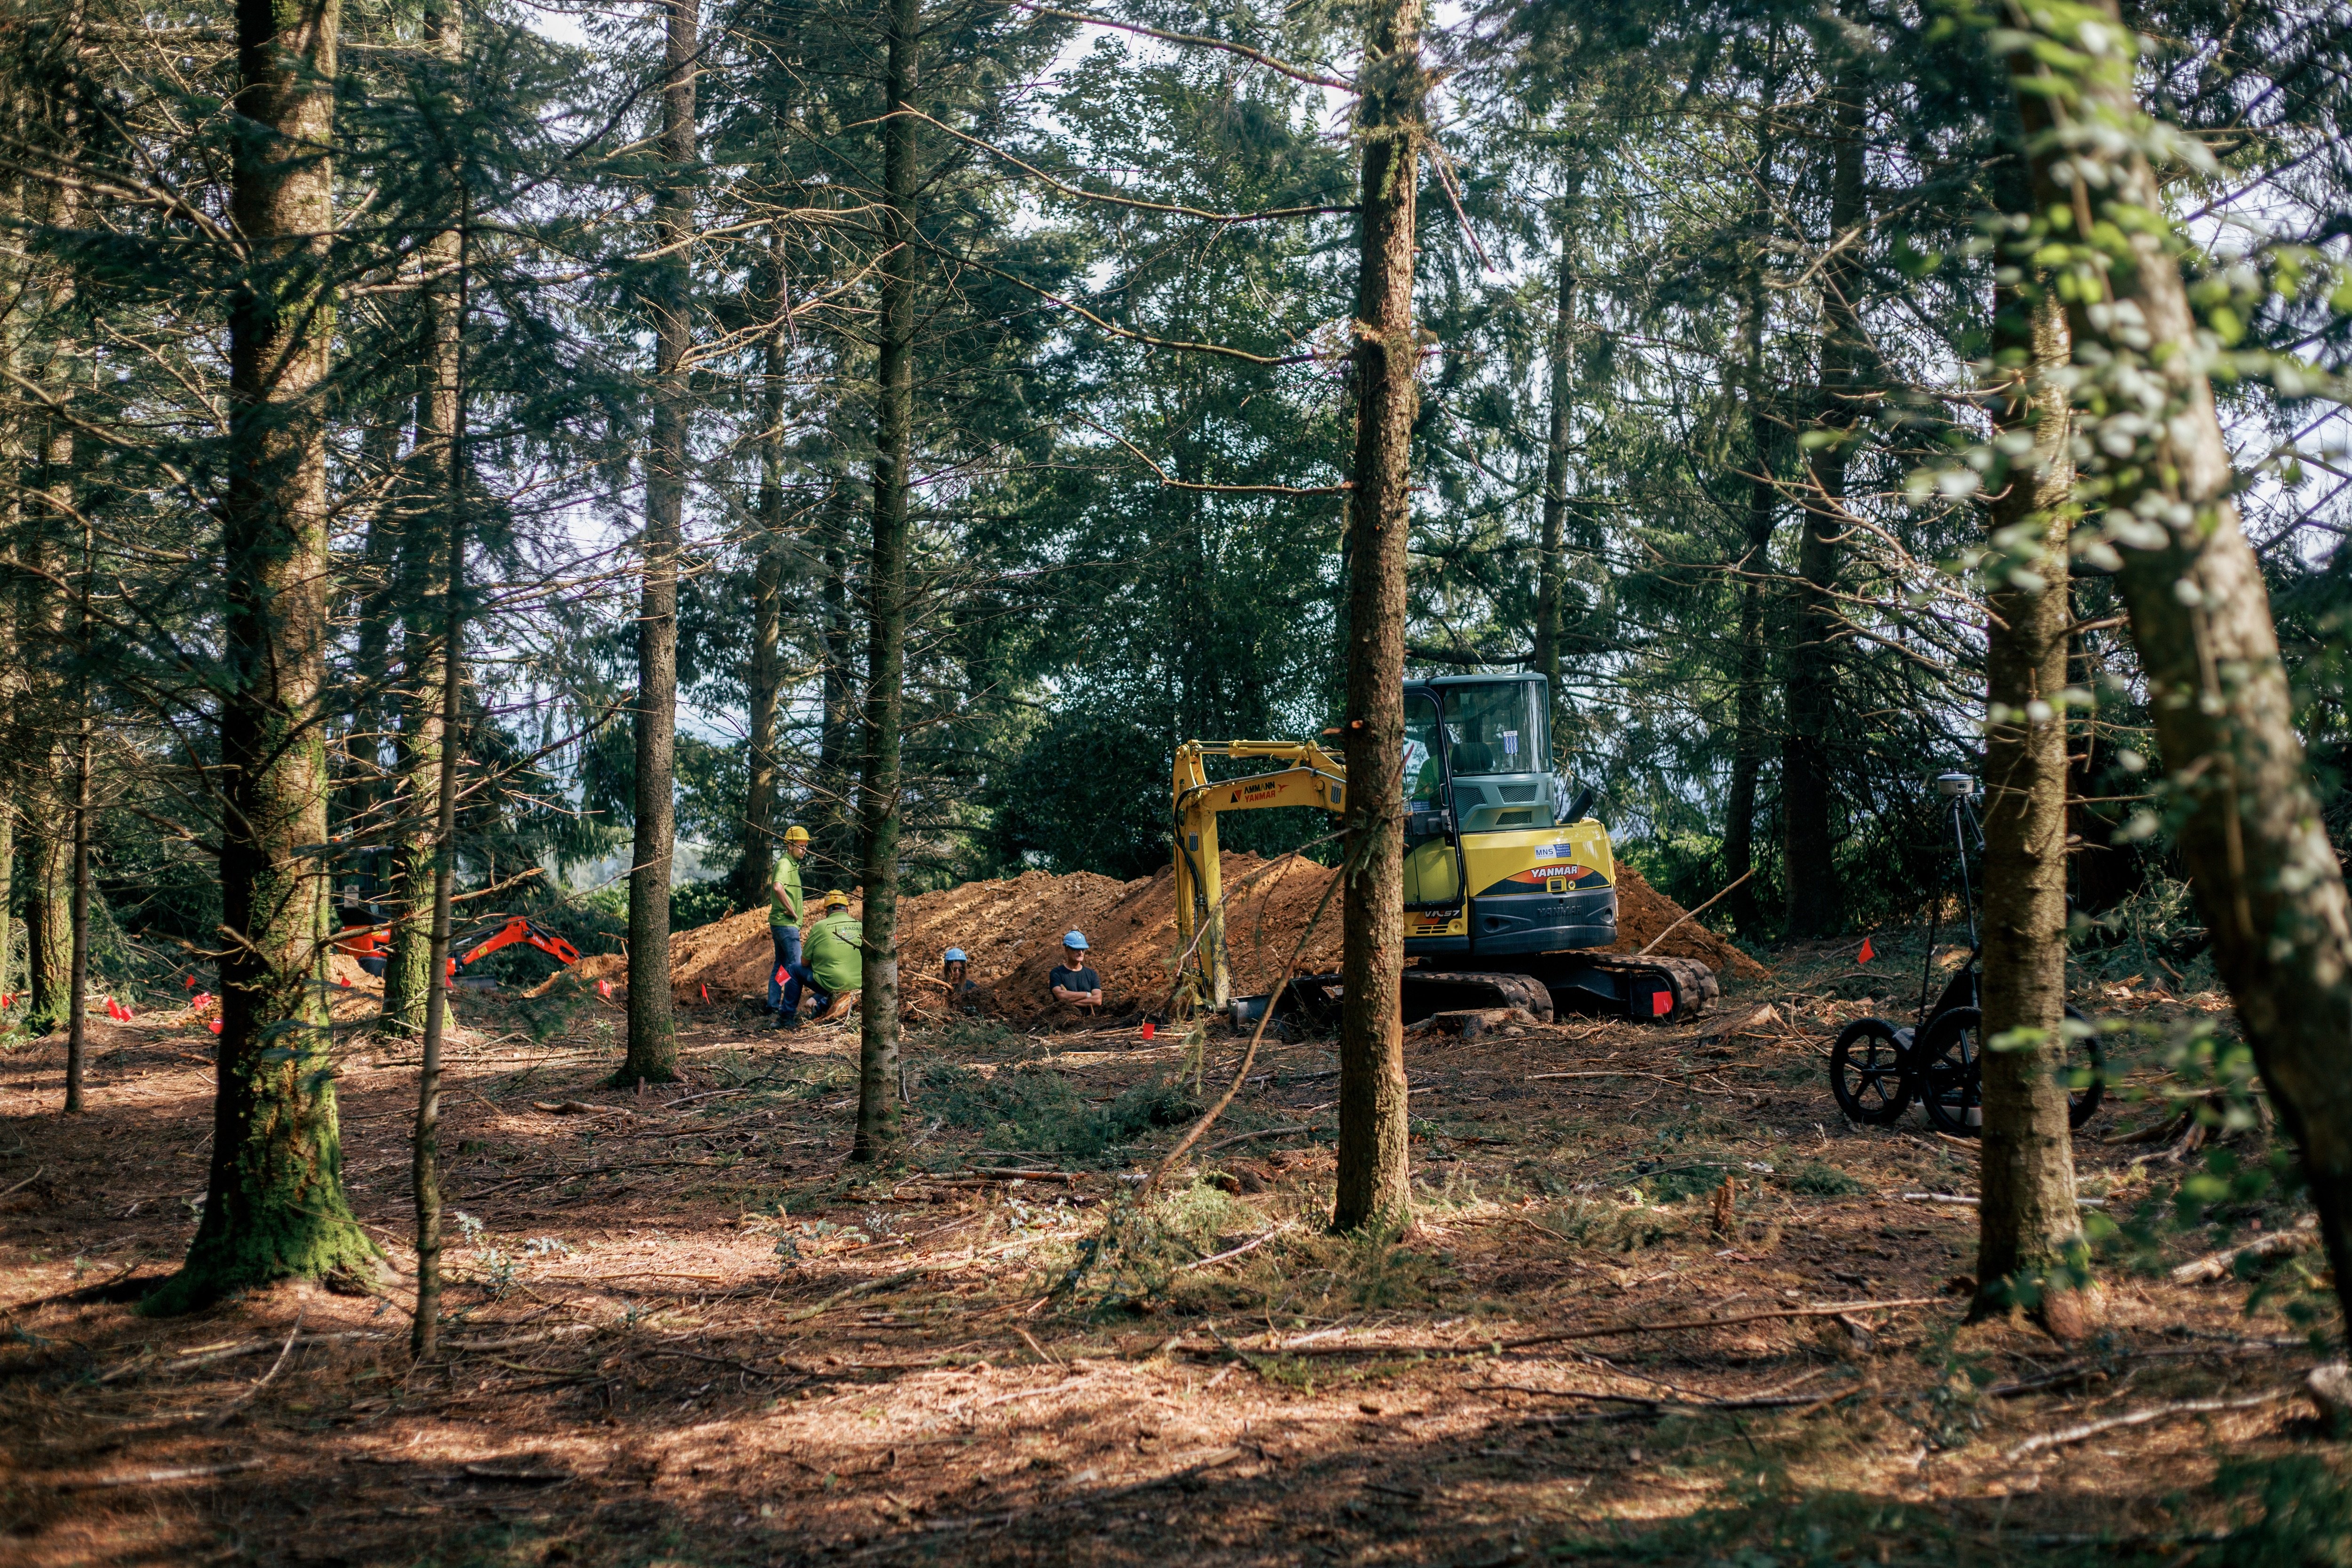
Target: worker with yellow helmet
834, 967
784, 905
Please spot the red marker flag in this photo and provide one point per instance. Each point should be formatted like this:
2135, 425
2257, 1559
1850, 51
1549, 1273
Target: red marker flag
1867, 954
605, 989
192, 982
705, 994
213, 1025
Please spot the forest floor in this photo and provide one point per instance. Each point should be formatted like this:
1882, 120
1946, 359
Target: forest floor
684, 1330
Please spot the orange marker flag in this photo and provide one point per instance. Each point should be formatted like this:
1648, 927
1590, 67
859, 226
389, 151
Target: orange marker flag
1867, 954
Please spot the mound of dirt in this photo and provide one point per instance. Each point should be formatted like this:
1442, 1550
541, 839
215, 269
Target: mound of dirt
1642, 913
1012, 930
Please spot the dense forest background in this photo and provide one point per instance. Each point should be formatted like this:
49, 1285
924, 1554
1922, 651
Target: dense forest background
1706, 291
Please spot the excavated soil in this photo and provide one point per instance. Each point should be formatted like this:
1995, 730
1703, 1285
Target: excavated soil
1013, 931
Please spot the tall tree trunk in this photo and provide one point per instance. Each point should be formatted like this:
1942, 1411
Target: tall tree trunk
50, 922
1374, 1184
1558, 442
7, 873
2249, 825
652, 1029
755, 865
49, 900
275, 1207
880, 792
2030, 1245
1815, 904
425, 738
78, 1000
444, 33
78, 1017
1749, 671
48, 904
835, 837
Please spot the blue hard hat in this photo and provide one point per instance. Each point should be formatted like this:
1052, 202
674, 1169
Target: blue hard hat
955, 955
1076, 939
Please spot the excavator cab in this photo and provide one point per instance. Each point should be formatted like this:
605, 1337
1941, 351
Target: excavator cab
1508, 901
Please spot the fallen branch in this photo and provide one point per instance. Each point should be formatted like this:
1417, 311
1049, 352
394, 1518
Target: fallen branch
233, 1405
1686, 914
1249, 1058
1759, 1402
1249, 1246
868, 1289
2142, 1417
2222, 1264
158, 1478
1612, 1330
1069, 1178
1261, 1132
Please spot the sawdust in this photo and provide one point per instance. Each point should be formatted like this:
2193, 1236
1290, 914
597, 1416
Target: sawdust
1012, 931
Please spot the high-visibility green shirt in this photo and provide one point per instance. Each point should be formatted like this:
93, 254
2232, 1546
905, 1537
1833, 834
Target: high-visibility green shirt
784, 896
836, 953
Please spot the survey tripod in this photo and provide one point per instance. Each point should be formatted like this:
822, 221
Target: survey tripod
1877, 1069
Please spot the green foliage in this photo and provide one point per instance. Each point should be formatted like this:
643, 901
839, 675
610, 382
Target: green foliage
1032, 1108
1818, 1180
2301, 1515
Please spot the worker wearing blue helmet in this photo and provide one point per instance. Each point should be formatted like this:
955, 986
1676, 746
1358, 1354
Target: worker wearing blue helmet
1074, 984
954, 969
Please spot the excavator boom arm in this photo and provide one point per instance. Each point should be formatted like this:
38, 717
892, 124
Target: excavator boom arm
1315, 777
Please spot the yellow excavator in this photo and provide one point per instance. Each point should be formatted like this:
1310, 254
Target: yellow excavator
1508, 897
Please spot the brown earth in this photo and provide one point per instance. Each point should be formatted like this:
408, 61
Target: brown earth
1013, 931
1660, 1305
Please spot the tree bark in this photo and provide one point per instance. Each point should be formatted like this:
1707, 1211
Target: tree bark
2030, 1246
1815, 904
652, 1029
425, 738
1374, 1184
1750, 669
879, 803
48, 904
78, 997
8, 872
835, 837
755, 867
1558, 442
275, 1205
445, 34
2246, 820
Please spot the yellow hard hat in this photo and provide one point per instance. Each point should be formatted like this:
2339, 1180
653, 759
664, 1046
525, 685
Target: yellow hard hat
796, 835
837, 900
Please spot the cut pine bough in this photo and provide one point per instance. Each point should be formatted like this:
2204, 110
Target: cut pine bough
2142, 1417
1317, 1344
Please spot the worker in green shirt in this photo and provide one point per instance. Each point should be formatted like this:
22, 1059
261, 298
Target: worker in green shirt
834, 964
785, 917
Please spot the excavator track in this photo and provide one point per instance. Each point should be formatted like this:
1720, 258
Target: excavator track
1652, 989
1427, 991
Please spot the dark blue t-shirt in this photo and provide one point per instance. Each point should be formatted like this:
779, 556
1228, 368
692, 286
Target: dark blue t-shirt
1073, 979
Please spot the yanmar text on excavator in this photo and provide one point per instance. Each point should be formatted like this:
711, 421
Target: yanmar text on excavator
1508, 901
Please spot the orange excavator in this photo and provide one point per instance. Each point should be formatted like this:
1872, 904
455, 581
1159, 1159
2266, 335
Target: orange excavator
370, 944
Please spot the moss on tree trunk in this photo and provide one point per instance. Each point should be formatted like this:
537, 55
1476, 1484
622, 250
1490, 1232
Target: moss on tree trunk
274, 1204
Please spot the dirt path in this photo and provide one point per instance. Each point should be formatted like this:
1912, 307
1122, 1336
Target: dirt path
690, 1334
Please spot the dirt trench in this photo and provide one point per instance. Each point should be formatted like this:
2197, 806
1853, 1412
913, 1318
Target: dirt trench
1013, 931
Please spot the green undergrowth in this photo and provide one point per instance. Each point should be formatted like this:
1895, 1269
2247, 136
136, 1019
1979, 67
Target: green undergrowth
1032, 1109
